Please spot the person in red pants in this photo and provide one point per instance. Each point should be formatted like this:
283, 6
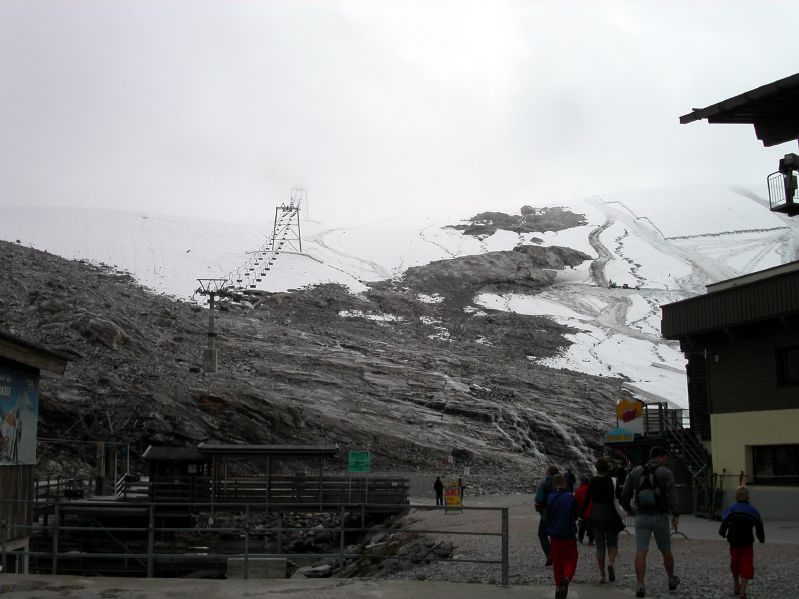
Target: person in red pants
562, 531
738, 521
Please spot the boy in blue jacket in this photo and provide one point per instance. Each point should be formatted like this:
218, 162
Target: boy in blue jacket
736, 525
562, 530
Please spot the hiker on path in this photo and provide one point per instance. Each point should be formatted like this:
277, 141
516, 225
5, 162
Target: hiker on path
438, 487
571, 479
562, 530
604, 519
584, 508
542, 491
651, 495
737, 524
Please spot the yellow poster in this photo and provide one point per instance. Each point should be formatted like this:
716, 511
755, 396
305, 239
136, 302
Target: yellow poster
452, 494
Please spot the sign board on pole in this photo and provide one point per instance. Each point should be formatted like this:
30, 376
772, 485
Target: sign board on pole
360, 461
452, 495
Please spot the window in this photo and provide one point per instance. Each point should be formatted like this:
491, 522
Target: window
788, 365
776, 464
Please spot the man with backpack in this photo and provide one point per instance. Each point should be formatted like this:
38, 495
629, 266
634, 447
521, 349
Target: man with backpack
650, 493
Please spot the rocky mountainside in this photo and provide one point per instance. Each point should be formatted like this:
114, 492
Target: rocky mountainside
410, 369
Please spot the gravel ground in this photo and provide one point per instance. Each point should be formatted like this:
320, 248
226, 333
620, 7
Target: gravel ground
702, 565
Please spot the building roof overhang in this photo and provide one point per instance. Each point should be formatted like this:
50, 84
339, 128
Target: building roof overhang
24, 352
773, 109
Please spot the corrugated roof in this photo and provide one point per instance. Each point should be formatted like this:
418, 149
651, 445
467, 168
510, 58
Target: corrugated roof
772, 108
284, 450
751, 299
161, 453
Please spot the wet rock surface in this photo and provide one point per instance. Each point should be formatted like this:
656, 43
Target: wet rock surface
410, 370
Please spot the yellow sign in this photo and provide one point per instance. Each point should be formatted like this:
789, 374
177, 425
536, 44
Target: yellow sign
452, 494
628, 409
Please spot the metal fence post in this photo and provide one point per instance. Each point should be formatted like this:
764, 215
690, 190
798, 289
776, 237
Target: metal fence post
341, 539
3, 546
56, 525
505, 560
280, 533
246, 541
150, 541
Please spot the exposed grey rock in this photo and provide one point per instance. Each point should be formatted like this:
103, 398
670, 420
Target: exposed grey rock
294, 370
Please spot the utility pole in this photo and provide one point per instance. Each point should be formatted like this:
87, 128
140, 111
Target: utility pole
211, 288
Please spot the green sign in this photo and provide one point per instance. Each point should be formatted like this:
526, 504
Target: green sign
360, 461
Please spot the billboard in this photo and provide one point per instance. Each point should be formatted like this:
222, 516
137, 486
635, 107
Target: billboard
452, 494
629, 414
19, 412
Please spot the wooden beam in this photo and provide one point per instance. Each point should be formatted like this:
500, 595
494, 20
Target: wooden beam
776, 130
31, 356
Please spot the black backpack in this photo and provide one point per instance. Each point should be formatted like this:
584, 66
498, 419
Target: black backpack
649, 493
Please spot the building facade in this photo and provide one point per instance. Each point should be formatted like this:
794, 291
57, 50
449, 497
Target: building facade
741, 340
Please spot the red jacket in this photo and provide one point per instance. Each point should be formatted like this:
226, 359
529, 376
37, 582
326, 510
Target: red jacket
579, 496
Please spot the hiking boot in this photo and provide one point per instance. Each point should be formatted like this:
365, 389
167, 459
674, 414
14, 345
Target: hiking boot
611, 574
640, 592
674, 582
564, 588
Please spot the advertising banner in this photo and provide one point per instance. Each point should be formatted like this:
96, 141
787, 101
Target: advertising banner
629, 414
619, 435
19, 412
452, 494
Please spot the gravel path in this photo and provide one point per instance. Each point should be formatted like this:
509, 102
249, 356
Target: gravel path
701, 564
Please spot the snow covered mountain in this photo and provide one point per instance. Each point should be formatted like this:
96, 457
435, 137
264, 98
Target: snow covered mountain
649, 248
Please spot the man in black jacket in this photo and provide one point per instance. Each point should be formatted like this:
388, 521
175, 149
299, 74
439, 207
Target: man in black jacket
438, 487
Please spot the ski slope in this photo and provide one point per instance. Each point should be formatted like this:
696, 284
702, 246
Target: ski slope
664, 245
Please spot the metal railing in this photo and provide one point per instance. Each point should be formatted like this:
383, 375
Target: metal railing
781, 189
137, 544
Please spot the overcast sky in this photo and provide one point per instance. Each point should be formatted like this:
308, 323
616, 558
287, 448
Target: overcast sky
216, 109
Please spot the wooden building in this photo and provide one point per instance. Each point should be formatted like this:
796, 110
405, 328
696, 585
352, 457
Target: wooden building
741, 340
20, 365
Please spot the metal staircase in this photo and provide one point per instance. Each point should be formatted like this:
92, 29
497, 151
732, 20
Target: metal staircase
684, 445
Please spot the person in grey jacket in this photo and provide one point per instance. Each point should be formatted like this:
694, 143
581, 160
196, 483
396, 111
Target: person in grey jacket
651, 494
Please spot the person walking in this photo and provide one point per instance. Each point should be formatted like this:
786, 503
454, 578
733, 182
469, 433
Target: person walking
438, 487
571, 479
542, 492
584, 509
562, 530
736, 526
605, 521
461, 487
651, 495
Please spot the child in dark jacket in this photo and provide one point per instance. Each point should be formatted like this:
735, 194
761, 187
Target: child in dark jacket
736, 525
562, 530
